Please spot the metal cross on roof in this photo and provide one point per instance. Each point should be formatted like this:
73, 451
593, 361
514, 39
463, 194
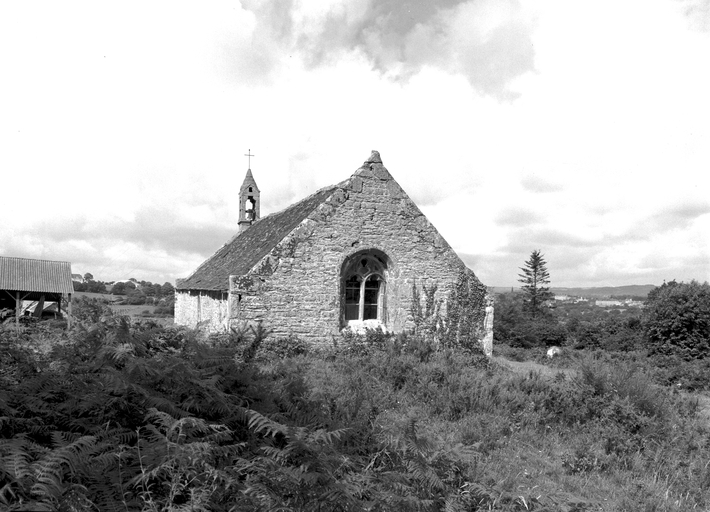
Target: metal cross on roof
248, 153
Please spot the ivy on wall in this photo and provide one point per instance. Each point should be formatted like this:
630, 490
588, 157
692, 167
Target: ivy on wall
461, 323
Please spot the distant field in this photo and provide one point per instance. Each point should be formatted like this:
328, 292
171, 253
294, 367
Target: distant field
137, 312
102, 296
124, 309
132, 310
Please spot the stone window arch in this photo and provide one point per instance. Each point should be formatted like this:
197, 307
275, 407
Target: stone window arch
363, 285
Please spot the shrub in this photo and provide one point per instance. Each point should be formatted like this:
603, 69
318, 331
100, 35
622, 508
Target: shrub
165, 310
678, 319
611, 383
89, 310
673, 370
281, 348
131, 416
538, 333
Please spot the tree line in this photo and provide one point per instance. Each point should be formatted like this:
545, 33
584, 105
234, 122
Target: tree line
135, 292
674, 322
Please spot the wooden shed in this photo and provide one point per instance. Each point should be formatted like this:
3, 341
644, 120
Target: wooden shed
37, 280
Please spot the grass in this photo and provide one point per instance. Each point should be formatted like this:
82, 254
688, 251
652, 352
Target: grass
593, 436
585, 431
100, 296
134, 311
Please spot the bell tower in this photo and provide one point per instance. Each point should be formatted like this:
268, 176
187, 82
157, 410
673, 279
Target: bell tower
249, 203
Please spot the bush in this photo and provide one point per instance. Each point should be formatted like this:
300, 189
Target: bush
135, 416
90, 310
538, 333
282, 348
678, 319
165, 310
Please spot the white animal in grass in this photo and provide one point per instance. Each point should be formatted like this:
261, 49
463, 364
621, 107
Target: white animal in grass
553, 351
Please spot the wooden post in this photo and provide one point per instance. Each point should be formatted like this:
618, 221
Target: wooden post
18, 307
40, 307
68, 310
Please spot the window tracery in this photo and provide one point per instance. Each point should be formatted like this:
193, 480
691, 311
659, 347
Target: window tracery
364, 282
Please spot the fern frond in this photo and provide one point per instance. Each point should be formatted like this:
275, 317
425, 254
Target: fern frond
328, 437
117, 354
261, 424
7, 493
165, 405
69, 453
17, 456
120, 436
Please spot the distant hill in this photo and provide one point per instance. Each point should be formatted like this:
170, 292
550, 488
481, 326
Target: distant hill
638, 290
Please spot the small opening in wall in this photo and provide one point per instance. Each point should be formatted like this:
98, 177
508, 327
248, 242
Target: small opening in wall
250, 206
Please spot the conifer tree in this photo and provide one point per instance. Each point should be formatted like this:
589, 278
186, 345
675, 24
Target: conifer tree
534, 278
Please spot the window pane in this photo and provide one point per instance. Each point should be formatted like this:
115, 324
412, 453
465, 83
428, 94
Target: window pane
370, 312
372, 291
352, 298
352, 290
352, 311
371, 296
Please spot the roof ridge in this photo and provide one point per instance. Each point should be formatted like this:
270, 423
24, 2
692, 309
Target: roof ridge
34, 259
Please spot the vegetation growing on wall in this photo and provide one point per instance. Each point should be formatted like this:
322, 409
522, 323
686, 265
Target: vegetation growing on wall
465, 311
461, 323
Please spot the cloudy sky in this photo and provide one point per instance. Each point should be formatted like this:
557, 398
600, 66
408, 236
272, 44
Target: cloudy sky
578, 128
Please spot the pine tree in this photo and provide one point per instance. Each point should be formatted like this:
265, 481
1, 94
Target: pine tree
534, 278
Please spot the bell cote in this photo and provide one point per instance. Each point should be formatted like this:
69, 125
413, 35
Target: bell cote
249, 202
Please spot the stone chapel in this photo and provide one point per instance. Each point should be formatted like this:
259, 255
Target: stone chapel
352, 255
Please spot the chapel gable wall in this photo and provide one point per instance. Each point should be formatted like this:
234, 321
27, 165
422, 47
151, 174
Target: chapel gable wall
296, 288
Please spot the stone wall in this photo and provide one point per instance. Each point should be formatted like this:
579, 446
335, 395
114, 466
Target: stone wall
204, 309
296, 288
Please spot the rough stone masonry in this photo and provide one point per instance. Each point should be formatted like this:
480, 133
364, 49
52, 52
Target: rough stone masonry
348, 256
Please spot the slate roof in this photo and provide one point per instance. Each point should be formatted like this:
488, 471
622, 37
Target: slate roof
247, 248
26, 275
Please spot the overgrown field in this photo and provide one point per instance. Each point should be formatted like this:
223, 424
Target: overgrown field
120, 415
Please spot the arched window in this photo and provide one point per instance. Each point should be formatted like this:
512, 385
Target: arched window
363, 287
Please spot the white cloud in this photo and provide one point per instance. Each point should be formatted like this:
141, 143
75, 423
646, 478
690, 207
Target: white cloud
576, 128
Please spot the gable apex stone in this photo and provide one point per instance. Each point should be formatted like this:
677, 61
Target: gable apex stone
374, 158
373, 168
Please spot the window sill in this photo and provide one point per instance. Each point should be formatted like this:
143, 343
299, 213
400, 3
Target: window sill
361, 326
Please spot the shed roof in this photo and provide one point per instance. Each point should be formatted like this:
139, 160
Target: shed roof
27, 275
247, 248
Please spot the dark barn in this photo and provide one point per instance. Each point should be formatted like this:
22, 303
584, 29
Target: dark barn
41, 281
